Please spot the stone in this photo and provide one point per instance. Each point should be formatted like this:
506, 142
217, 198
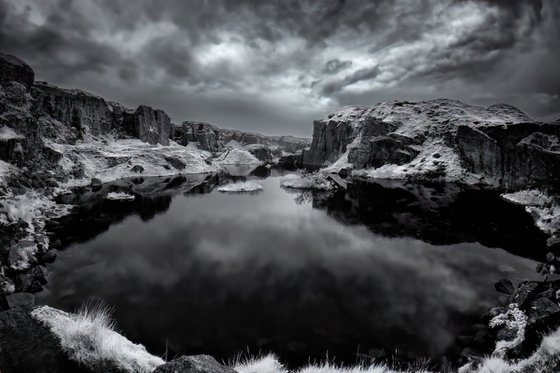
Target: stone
137, 169
31, 281
261, 152
27, 346
544, 313
47, 257
14, 69
176, 162
21, 300
194, 364
291, 160
504, 286
523, 293
95, 182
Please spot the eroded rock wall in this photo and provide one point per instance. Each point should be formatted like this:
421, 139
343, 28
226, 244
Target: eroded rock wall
513, 156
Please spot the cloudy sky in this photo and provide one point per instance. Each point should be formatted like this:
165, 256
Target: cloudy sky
273, 66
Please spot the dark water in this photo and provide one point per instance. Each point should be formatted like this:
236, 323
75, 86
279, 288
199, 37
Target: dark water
378, 267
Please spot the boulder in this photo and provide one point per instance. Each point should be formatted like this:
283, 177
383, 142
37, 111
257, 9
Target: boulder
27, 346
524, 292
147, 124
95, 182
176, 163
261, 152
21, 300
194, 364
291, 160
137, 169
16, 70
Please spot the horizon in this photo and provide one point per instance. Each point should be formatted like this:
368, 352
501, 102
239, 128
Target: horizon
274, 67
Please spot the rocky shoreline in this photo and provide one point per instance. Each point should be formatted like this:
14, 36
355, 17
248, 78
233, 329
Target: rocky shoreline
54, 139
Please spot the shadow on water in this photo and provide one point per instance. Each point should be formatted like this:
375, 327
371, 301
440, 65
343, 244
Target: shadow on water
367, 270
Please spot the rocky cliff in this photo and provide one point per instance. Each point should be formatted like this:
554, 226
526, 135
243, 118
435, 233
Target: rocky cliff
36, 110
445, 139
215, 139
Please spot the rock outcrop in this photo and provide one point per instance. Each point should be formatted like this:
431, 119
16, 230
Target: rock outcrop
149, 125
27, 346
261, 152
12, 69
447, 139
513, 156
73, 107
215, 139
205, 134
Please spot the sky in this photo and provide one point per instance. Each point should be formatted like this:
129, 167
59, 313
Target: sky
274, 66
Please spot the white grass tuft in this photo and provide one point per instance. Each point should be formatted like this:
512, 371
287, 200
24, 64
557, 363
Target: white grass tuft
266, 364
88, 338
245, 186
270, 364
120, 196
317, 181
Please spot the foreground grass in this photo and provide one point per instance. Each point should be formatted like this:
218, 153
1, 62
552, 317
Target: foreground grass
270, 364
88, 337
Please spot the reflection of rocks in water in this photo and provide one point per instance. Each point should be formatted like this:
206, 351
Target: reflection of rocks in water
438, 214
94, 213
317, 198
240, 170
89, 220
261, 171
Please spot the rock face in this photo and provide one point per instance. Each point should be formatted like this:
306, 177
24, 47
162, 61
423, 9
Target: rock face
513, 156
214, 139
194, 364
149, 125
14, 69
291, 160
261, 152
498, 145
74, 107
205, 134
27, 346
32, 111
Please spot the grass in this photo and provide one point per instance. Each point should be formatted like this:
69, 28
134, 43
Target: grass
270, 364
88, 337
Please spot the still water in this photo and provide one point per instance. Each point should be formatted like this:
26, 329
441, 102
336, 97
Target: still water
380, 267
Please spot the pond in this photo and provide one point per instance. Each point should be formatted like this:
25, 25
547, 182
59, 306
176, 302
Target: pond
380, 268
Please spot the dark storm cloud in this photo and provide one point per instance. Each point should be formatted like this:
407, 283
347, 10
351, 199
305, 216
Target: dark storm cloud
335, 65
273, 65
355, 77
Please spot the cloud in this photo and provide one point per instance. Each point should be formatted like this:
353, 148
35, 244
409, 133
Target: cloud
335, 65
206, 59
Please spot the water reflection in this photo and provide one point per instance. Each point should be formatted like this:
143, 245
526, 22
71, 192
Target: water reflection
347, 272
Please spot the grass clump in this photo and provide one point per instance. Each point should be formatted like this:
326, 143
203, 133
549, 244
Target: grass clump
88, 337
